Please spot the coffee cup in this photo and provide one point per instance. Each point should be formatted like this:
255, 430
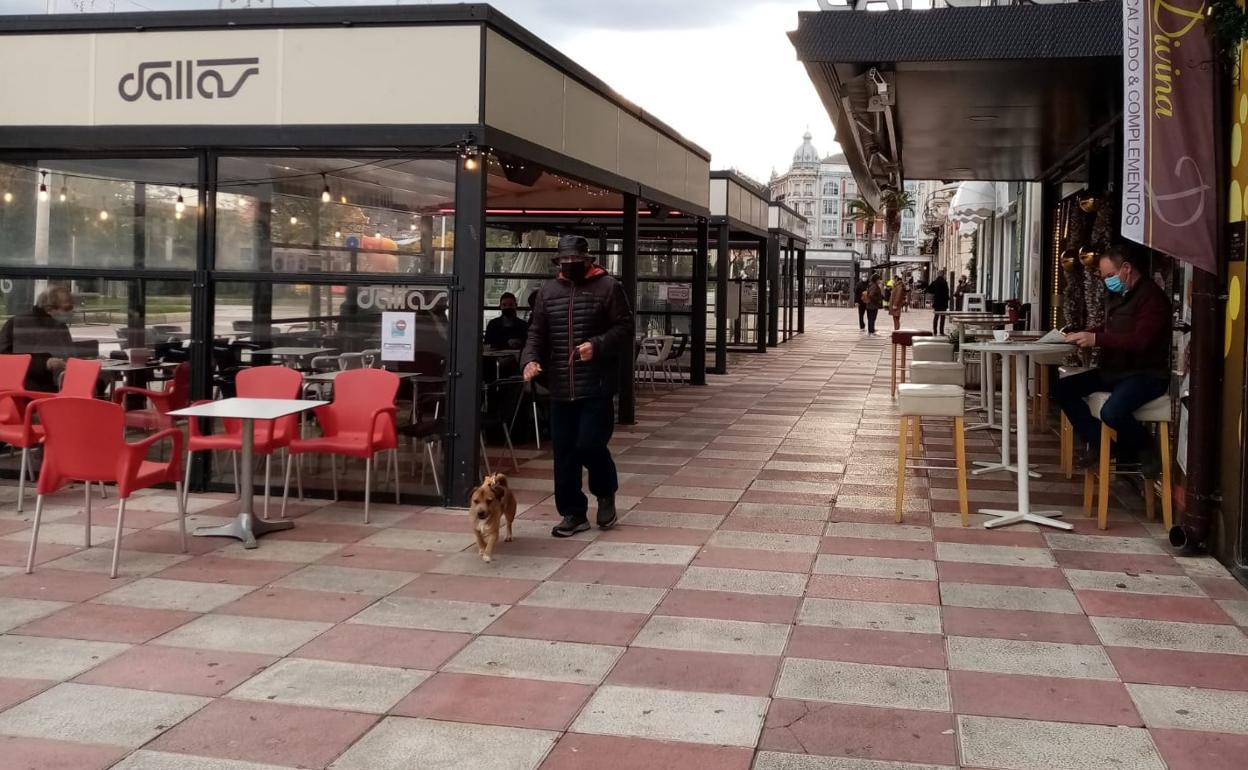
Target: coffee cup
1000, 335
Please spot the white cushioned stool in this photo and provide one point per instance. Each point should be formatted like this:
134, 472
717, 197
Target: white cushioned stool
915, 402
1156, 411
938, 373
932, 350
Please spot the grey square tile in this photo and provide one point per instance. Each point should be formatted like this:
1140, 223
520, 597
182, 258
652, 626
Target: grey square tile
692, 717
535, 659
873, 616
431, 614
1192, 708
863, 684
19, 612
84, 713
710, 635
1012, 656
397, 743
332, 685
186, 595
346, 580
267, 636
37, 657
1025, 744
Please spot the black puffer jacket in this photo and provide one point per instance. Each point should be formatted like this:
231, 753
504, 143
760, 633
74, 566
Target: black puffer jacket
567, 314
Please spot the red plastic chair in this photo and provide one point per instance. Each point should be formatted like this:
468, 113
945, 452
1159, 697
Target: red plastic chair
84, 440
13, 369
359, 423
269, 435
78, 381
177, 396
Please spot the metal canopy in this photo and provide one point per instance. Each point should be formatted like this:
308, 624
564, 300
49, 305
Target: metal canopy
989, 93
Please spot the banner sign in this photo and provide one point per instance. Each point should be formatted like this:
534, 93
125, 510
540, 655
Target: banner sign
398, 336
1168, 170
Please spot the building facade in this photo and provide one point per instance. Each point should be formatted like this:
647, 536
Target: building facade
820, 189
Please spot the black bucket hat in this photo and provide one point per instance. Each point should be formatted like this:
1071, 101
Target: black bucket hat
573, 246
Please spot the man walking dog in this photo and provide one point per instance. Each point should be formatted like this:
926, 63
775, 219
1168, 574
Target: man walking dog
580, 326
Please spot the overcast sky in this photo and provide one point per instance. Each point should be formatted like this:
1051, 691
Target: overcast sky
722, 72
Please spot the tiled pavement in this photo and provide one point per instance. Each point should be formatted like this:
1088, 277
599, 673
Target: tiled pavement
757, 608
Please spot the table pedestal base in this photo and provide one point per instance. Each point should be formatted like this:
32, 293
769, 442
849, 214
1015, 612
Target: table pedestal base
1006, 518
246, 527
986, 467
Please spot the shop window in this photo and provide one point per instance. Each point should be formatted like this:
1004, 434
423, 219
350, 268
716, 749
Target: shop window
99, 214
336, 215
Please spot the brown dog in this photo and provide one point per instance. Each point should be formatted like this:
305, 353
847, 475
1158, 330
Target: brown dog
491, 501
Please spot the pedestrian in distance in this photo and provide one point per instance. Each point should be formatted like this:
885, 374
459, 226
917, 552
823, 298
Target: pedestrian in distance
897, 301
874, 301
938, 290
580, 326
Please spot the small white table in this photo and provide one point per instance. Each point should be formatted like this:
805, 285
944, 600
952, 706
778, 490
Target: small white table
247, 527
1019, 351
292, 352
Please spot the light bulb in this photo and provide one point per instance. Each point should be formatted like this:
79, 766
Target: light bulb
64, 193
43, 186
378, 235
180, 205
342, 199
325, 196
103, 215
294, 220
470, 163
8, 197
177, 215
413, 228
337, 233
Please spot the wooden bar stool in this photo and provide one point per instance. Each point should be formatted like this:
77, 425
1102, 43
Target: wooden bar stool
1066, 431
902, 339
1156, 411
932, 350
915, 402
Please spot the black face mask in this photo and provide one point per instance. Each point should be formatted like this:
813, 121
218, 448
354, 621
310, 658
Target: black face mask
509, 312
574, 270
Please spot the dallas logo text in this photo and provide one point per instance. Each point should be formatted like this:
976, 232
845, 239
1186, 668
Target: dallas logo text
187, 79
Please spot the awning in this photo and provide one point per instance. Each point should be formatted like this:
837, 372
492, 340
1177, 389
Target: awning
990, 93
974, 202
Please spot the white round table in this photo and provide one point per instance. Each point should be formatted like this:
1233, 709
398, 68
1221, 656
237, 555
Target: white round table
1019, 351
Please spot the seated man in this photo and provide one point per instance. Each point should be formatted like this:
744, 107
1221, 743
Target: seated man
507, 332
1134, 365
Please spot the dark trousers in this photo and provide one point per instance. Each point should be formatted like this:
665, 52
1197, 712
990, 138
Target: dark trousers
580, 431
1125, 397
938, 322
862, 312
872, 312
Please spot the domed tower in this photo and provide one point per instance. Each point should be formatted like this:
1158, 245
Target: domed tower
806, 154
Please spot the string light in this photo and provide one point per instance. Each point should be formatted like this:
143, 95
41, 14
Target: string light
342, 199
43, 186
64, 190
325, 196
294, 220
8, 197
337, 233
180, 205
103, 215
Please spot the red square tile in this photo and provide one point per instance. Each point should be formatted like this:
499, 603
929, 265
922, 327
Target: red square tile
40, 754
661, 535
892, 549
1000, 575
496, 700
1045, 698
1180, 669
1184, 609
1016, 624
769, 524
1142, 564
324, 532
869, 589
271, 733
750, 558
727, 605
467, 588
560, 625
175, 669
107, 623
164, 541
384, 646
830, 729
294, 604
14, 691
890, 648
218, 569
1192, 750
58, 585
619, 573
590, 752
395, 559
696, 671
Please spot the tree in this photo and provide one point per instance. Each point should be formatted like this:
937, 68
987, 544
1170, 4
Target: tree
895, 203
861, 210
